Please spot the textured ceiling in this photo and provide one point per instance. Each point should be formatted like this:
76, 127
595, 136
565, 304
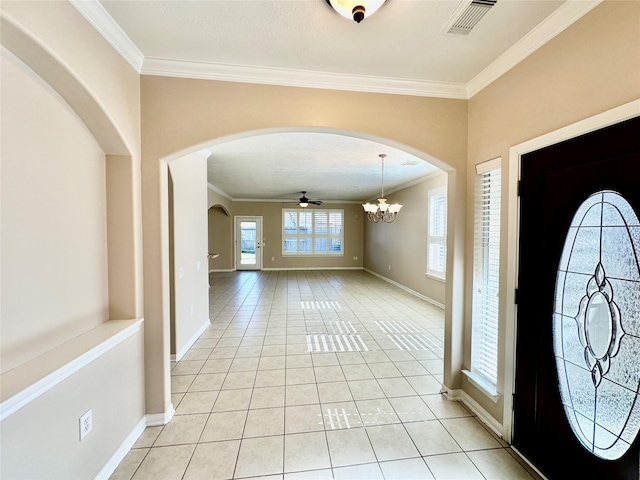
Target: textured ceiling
325, 165
288, 40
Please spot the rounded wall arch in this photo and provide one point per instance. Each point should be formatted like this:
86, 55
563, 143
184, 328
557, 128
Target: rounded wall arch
182, 116
224, 209
425, 156
122, 233
454, 262
58, 75
220, 229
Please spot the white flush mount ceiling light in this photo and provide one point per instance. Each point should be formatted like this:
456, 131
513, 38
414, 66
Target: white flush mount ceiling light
357, 10
383, 212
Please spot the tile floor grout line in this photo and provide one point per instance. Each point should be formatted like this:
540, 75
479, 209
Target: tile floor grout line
282, 290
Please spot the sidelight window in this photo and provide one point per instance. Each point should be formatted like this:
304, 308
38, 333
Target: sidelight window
486, 276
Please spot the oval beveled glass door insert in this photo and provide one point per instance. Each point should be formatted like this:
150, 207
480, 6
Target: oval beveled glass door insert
596, 325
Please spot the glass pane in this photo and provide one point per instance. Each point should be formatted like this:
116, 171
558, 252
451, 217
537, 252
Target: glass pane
290, 245
335, 223
437, 257
321, 222
321, 245
248, 243
596, 323
306, 222
305, 245
486, 270
336, 245
437, 215
290, 222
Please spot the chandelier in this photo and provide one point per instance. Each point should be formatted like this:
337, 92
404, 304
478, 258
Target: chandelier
382, 212
356, 9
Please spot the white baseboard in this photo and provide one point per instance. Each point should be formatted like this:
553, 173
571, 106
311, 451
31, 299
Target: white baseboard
309, 268
158, 419
215, 270
122, 451
181, 353
406, 289
481, 413
149, 420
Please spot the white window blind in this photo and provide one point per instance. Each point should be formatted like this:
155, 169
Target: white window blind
312, 232
486, 266
437, 233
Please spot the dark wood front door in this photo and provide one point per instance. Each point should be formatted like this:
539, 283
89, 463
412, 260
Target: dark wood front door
576, 403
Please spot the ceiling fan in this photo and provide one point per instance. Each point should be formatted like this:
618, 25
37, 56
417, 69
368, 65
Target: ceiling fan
304, 202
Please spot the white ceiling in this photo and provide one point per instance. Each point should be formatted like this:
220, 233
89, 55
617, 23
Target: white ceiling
401, 49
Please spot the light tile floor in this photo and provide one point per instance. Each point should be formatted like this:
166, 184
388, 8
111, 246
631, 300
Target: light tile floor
317, 375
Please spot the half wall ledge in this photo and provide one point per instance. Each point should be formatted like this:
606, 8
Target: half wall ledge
24, 383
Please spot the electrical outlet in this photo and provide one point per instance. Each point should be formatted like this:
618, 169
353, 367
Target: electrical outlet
180, 272
273, 258
355, 258
389, 267
191, 310
86, 424
198, 265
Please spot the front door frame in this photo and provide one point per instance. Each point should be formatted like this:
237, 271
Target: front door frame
259, 240
604, 119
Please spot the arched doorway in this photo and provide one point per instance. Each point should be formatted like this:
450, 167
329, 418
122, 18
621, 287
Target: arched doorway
195, 152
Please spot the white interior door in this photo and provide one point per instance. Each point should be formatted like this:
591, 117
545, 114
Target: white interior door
248, 243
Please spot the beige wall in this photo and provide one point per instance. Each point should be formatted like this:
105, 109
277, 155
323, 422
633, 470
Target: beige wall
220, 221
221, 237
190, 274
54, 227
591, 67
183, 115
403, 243
220, 225
41, 440
71, 217
104, 91
271, 213
80, 49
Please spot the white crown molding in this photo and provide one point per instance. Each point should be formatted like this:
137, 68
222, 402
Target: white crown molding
211, 186
558, 21
562, 18
301, 78
99, 18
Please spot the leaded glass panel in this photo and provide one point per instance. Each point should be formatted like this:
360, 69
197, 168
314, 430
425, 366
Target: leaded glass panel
596, 324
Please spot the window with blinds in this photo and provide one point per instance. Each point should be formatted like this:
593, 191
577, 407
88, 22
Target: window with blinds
312, 232
486, 277
437, 233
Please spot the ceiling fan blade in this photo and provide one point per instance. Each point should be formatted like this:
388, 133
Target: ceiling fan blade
304, 199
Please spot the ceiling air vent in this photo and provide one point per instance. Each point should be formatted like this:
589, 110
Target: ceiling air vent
465, 18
